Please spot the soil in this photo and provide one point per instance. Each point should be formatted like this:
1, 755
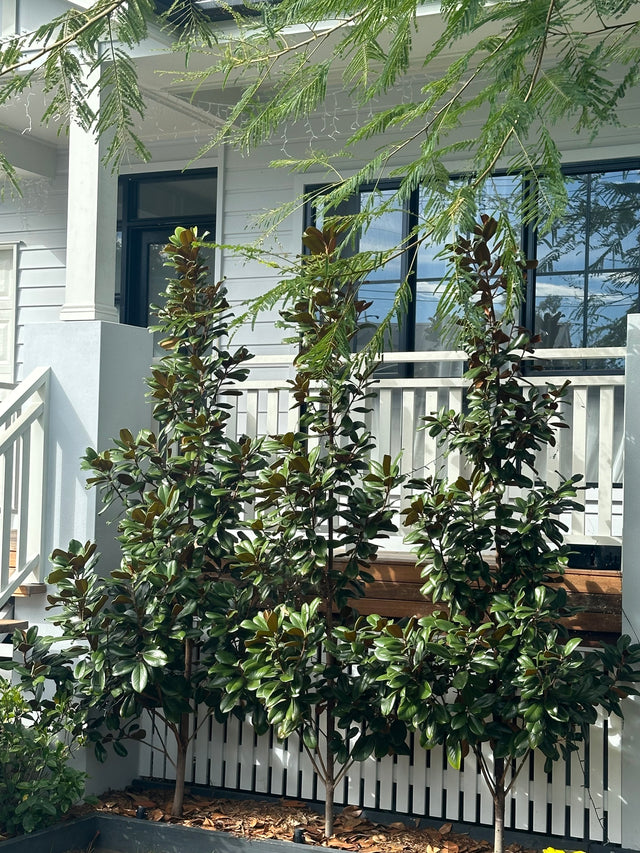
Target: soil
260, 819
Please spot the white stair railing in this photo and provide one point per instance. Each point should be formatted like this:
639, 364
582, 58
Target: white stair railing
23, 430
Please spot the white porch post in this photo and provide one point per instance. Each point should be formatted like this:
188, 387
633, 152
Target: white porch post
631, 582
91, 226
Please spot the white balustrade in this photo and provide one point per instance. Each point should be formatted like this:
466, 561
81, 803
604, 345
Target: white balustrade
591, 443
23, 426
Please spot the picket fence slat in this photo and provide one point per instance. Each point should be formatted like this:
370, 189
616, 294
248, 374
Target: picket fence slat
436, 781
385, 781
216, 753
539, 793
596, 778
520, 798
577, 794
248, 757
558, 796
201, 747
614, 780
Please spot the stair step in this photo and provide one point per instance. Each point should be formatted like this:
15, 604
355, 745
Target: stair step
8, 626
28, 589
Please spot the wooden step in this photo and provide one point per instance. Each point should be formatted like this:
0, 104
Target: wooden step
27, 589
8, 626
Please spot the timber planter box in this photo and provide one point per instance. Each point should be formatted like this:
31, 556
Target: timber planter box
396, 593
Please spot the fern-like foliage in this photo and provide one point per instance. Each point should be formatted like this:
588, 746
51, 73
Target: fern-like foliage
493, 80
497, 78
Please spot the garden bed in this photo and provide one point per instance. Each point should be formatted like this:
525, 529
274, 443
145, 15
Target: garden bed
238, 824
246, 825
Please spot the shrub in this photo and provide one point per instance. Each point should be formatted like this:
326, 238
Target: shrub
37, 785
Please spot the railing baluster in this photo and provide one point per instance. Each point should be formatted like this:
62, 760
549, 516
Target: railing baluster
605, 462
579, 447
6, 490
25, 475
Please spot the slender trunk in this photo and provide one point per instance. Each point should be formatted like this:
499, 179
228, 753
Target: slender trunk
330, 783
330, 778
498, 806
181, 766
182, 739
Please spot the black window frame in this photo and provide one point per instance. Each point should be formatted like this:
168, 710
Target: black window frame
529, 242
130, 301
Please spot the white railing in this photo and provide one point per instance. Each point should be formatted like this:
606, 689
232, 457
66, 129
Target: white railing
23, 428
591, 445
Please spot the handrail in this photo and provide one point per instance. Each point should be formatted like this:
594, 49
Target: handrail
16, 398
23, 432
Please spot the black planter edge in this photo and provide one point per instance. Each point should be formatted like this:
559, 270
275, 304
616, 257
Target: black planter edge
530, 840
118, 834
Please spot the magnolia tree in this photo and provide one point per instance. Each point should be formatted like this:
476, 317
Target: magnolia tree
134, 637
492, 672
322, 506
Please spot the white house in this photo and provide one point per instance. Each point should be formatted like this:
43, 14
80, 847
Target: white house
80, 263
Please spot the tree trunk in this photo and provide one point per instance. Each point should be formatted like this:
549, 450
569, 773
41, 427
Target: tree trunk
329, 792
182, 741
498, 806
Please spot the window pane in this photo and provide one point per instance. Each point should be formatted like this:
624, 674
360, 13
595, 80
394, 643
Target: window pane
427, 295
175, 198
559, 310
381, 286
614, 219
611, 298
500, 197
384, 233
599, 240
564, 248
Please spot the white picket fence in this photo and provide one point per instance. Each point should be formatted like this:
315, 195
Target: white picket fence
580, 798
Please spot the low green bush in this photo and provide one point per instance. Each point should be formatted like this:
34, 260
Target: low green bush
36, 784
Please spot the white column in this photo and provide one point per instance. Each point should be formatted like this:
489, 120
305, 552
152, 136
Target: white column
91, 228
631, 582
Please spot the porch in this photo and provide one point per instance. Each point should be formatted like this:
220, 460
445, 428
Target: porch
593, 410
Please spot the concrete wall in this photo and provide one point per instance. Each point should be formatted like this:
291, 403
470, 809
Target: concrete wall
97, 388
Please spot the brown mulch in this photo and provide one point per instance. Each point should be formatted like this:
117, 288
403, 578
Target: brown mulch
260, 819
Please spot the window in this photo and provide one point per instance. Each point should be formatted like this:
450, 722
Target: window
8, 300
150, 207
588, 275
